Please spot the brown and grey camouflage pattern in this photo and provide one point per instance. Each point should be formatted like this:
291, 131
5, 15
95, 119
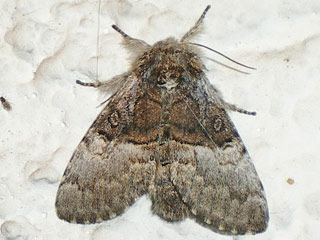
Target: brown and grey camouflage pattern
165, 132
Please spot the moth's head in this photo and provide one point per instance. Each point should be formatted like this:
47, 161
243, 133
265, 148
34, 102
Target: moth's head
167, 62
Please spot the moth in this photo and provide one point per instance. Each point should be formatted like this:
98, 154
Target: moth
5, 104
164, 132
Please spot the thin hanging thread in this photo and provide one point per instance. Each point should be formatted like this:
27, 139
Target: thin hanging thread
98, 42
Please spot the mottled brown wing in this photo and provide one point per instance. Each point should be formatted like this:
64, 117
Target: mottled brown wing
214, 174
105, 174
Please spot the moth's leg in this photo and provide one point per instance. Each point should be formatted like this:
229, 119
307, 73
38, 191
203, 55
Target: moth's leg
196, 28
108, 86
95, 84
234, 108
103, 86
218, 100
